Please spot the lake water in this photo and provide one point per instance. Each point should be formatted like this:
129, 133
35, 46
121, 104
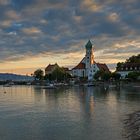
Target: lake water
74, 113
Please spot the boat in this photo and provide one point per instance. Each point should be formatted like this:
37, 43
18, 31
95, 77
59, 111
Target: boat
50, 86
28, 83
8, 84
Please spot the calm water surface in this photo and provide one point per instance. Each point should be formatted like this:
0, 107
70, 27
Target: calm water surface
76, 113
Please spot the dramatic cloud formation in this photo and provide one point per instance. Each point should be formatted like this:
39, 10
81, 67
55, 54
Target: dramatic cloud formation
49, 31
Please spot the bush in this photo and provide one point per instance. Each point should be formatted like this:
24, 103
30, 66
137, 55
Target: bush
133, 75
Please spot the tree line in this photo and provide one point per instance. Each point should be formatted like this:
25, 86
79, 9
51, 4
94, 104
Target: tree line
59, 75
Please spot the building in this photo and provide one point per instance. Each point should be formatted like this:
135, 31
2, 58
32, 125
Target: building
66, 70
81, 70
88, 67
50, 68
126, 68
97, 67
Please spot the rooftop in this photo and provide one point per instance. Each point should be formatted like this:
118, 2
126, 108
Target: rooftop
88, 45
80, 66
51, 67
103, 67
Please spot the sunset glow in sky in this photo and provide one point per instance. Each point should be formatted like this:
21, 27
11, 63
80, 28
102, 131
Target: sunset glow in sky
34, 33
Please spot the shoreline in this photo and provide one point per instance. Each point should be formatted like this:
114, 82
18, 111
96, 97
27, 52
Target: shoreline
132, 126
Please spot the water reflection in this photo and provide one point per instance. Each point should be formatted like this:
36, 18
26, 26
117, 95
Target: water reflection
76, 113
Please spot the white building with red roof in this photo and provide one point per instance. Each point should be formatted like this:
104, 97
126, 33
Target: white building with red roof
88, 67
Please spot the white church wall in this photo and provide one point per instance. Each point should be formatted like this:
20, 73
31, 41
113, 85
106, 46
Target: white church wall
94, 68
78, 72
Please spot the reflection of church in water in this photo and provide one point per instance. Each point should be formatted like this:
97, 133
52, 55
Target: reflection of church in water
88, 67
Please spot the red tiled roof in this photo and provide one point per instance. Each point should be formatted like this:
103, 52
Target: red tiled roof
80, 66
129, 67
103, 67
50, 67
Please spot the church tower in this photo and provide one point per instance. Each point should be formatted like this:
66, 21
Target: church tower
89, 57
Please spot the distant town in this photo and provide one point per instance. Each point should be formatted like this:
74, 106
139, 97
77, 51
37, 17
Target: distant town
86, 70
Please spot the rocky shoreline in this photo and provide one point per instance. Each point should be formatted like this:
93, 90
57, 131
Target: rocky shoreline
132, 126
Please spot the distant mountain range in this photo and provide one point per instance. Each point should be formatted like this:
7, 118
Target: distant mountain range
14, 77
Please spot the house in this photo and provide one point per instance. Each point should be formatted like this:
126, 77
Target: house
88, 67
66, 70
126, 68
50, 68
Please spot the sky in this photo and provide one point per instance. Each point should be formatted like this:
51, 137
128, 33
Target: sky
35, 33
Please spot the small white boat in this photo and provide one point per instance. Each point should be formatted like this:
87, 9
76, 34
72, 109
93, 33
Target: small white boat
29, 83
9, 84
50, 86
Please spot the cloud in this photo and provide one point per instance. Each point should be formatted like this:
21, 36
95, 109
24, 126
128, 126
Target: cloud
90, 5
114, 17
34, 27
31, 31
4, 2
6, 23
11, 14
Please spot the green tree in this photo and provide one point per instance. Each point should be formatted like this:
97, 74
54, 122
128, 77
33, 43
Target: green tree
38, 74
105, 76
119, 64
102, 75
133, 75
97, 75
115, 76
133, 59
59, 74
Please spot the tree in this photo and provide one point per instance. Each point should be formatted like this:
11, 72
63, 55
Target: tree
133, 75
38, 74
133, 59
105, 76
59, 74
115, 76
119, 64
97, 75
102, 75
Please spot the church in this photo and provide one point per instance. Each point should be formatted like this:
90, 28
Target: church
88, 67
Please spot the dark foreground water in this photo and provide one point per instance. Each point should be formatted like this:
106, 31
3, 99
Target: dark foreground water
76, 113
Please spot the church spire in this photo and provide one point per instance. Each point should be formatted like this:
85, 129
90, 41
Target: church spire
88, 45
